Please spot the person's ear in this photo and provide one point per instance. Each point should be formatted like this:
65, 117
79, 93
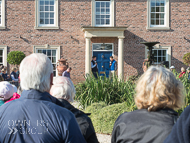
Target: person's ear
51, 79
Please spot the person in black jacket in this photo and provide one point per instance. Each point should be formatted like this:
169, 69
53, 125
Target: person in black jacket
64, 90
158, 93
34, 117
94, 67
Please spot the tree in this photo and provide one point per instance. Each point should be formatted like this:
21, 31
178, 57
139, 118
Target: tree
15, 57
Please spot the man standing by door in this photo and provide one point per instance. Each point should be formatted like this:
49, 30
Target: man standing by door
94, 66
113, 67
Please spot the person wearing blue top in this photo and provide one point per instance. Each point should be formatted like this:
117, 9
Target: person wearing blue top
113, 67
37, 116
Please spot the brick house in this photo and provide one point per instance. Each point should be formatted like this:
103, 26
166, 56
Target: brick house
78, 29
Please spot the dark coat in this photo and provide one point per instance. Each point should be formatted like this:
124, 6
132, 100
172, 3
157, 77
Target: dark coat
84, 122
34, 118
141, 126
181, 130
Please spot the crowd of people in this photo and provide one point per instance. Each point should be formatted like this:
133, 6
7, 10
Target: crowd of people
40, 110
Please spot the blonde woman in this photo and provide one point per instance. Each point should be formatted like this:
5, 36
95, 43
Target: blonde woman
158, 94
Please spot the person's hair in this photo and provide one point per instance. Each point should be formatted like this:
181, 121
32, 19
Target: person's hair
70, 68
3, 70
63, 88
13, 69
93, 57
158, 88
111, 57
35, 71
183, 69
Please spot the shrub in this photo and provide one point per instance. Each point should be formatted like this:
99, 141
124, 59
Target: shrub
104, 118
186, 59
15, 57
109, 91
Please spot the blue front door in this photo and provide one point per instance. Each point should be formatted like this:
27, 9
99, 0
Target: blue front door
103, 59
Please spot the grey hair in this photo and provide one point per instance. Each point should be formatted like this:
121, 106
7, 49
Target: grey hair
35, 72
63, 88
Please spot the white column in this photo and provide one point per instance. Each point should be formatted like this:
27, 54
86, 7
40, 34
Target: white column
120, 58
87, 56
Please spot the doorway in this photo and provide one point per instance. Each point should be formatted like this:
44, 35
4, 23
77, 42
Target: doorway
102, 51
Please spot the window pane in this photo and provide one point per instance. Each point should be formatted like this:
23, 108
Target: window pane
107, 21
153, 4
107, 11
46, 8
41, 8
159, 59
44, 51
54, 66
103, 4
162, 2
157, 15
107, 16
41, 2
102, 21
153, 15
51, 8
48, 52
42, 15
102, 10
152, 9
157, 2
1, 52
107, 4
97, 4
103, 16
51, 21
41, 21
47, 2
54, 60
97, 10
53, 52
155, 59
39, 51
46, 15
153, 22
159, 52
46, 21
161, 22
1, 59
51, 15
164, 52
51, 2
155, 52
97, 16
162, 9
157, 9
161, 15
98, 21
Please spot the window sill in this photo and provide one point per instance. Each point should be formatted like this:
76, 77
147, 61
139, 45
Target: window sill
56, 27
157, 28
2, 27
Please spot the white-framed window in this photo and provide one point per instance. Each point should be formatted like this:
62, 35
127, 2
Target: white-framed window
3, 55
161, 53
158, 14
46, 14
2, 14
52, 52
102, 13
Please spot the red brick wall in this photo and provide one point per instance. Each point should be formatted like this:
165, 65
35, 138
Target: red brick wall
20, 20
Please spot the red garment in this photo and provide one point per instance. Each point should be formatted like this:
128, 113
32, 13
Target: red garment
181, 74
15, 96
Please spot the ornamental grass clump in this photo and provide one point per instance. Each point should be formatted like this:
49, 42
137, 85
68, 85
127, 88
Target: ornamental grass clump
109, 91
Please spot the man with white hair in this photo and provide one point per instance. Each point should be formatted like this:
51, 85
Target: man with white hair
34, 117
64, 90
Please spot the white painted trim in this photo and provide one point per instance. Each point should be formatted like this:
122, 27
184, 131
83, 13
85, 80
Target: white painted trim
4, 54
2, 26
56, 47
37, 17
93, 14
167, 18
168, 48
103, 50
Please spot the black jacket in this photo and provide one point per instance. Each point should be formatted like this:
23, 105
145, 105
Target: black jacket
83, 121
181, 130
95, 69
141, 126
34, 118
